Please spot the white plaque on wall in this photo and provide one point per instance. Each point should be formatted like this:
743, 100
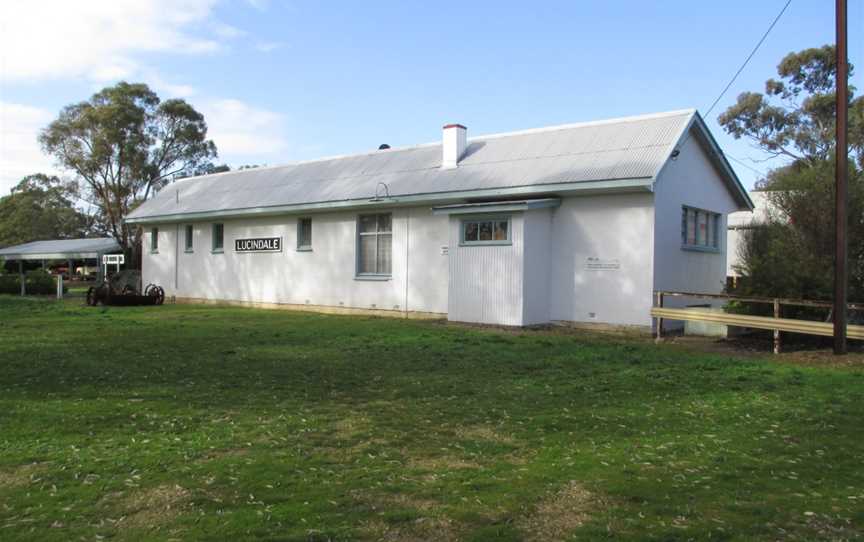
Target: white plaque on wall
602, 264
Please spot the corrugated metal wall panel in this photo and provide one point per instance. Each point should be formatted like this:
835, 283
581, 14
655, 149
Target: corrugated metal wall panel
538, 245
485, 282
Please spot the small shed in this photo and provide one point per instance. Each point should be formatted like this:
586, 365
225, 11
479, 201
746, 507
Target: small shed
61, 249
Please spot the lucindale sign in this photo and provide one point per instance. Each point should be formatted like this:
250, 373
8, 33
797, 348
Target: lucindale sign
258, 244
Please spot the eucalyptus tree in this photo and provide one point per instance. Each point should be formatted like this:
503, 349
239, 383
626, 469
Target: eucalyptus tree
123, 145
794, 119
41, 207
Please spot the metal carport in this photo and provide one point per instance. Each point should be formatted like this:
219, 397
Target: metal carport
60, 249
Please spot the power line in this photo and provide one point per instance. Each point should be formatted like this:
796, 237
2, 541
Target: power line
747, 61
737, 73
741, 162
735, 77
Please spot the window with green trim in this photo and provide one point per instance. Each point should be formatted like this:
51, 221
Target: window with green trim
189, 231
486, 231
218, 238
304, 234
154, 240
375, 244
700, 229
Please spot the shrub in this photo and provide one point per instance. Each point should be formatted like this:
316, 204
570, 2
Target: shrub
40, 283
791, 255
9, 284
37, 282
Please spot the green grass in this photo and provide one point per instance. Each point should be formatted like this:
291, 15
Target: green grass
212, 423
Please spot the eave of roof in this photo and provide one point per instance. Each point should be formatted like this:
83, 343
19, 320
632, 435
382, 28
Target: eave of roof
496, 206
733, 183
60, 249
51, 256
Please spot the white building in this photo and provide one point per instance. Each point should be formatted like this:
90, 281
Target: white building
738, 224
573, 223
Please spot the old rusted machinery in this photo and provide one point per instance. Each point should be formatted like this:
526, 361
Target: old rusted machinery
124, 289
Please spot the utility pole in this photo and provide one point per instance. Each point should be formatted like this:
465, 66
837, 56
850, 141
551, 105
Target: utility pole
841, 189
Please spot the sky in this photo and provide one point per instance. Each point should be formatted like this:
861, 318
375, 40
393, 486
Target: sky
286, 80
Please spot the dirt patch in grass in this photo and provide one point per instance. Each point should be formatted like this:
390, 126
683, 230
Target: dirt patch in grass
223, 453
556, 516
349, 438
351, 427
755, 347
822, 358
419, 530
21, 475
441, 463
829, 527
386, 501
484, 432
149, 508
404, 517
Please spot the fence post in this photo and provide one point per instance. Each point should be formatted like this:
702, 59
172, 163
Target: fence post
659, 303
59, 286
22, 277
777, 331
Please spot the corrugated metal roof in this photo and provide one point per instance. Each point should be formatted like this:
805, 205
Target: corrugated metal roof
617, 149
61, 248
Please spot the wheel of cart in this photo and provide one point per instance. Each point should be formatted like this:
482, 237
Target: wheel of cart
155, 292
98, 294
91, 296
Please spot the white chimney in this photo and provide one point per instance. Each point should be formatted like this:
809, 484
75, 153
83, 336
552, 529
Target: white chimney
454, 141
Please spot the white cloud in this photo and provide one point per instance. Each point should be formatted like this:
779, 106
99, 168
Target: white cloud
97, 39
243, 132
226, 31
20, 154
175, 90
165, 88
102, 41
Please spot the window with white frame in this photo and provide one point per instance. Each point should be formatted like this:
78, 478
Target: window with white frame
154, 240
486, 231
188, 244
700, 229
218, 244
304, 234
375, 244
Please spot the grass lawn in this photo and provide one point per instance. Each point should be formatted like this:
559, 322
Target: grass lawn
212, 423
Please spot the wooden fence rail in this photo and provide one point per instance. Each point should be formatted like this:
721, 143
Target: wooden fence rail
777, 324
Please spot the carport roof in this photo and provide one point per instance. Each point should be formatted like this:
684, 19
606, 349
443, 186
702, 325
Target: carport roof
61, 249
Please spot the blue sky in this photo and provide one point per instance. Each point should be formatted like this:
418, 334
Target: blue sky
280, 81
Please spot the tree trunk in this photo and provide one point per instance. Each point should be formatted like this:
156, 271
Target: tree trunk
134, 250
